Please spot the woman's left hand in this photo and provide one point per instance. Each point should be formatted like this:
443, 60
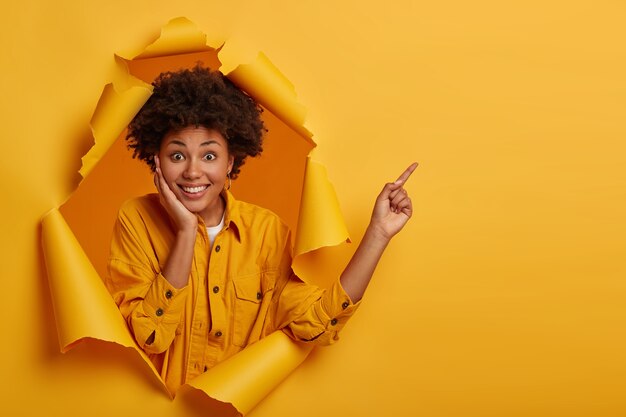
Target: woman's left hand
393, 206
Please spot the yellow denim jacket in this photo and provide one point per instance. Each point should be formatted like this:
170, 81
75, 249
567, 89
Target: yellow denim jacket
240, 289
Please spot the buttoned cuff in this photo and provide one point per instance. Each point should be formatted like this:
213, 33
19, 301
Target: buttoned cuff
332, 313
163, 302
156, 322
336, 304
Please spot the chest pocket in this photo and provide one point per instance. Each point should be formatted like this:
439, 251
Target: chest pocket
251, 304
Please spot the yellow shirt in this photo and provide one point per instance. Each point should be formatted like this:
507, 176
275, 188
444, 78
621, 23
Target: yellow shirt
240, 289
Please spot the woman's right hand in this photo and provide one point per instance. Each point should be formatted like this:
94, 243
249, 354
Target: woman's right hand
185, 220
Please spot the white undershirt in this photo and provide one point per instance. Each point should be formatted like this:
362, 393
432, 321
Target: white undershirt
212, 231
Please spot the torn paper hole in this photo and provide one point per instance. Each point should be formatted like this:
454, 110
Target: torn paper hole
76, 237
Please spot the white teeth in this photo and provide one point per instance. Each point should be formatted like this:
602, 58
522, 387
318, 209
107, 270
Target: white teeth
193, 190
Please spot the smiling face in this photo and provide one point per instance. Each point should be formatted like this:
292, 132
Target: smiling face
195, 162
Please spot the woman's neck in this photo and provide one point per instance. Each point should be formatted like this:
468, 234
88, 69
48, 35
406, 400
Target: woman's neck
212, 216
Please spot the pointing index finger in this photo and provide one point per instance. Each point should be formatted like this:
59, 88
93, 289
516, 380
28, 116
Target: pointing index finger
407, 173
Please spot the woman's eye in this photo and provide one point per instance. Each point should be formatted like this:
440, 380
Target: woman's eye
177, 156
209, 157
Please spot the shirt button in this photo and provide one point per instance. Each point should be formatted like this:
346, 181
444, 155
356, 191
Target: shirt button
217, 248
218, 333
333, 321
159, 312
216, 289
259, 295
168, 294
345, 305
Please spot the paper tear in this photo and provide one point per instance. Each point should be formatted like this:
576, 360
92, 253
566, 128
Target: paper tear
268, 86
113, 112
80, 290
245, 379
83, 307
76, 287
179, 36
319, 206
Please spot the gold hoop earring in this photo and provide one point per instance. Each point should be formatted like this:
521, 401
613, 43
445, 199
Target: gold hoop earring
229, 181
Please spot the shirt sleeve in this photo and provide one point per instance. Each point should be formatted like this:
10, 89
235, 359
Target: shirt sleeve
306, 312
151, 306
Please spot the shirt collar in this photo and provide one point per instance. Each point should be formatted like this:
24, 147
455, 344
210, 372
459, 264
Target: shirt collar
232, 216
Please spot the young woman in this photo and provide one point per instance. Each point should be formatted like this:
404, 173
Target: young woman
197, 274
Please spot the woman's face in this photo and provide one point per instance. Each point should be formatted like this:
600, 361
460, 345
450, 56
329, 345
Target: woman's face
194, 163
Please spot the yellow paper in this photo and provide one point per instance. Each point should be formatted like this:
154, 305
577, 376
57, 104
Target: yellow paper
246, 378
265, 83
510, 275
111, 117
83, 306
178, 36
319, 206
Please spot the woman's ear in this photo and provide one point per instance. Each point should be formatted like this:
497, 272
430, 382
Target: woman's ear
231, 161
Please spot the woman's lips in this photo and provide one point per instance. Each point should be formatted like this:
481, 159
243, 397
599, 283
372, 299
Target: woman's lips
196, 191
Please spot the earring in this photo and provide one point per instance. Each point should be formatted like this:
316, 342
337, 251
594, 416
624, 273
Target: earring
229, 181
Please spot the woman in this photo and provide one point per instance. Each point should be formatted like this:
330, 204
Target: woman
197, 274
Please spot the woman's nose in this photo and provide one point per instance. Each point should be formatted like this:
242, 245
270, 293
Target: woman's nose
192, 169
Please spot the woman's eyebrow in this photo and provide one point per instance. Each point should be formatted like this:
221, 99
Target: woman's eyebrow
210, 142
177, 142
183, 144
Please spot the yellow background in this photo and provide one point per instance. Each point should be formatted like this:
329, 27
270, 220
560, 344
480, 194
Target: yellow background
504, 296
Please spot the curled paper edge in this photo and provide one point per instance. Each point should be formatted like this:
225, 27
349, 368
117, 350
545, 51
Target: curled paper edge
75, 285
318, 205
269, 87
113, 112
179, 36
78, 294
256, 370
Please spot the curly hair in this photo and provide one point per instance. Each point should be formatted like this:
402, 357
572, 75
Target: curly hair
197, 97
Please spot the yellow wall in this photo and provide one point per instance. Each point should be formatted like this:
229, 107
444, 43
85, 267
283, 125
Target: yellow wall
505, 294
